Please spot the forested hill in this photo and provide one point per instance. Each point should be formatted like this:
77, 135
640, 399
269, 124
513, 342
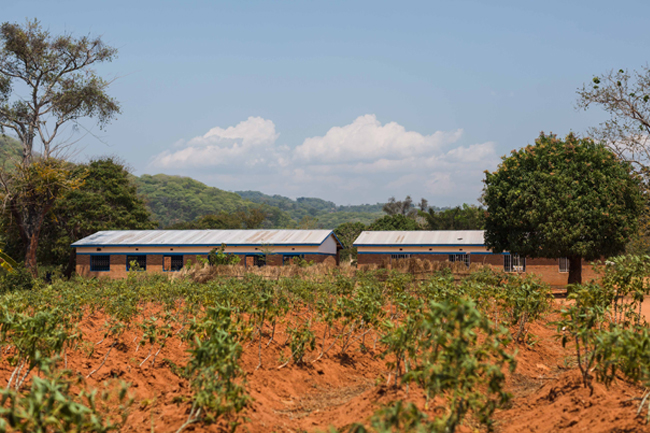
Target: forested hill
177, 199
328, 214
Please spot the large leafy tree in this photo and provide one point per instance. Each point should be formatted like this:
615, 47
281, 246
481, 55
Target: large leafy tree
46, 84
562, 198
106, 200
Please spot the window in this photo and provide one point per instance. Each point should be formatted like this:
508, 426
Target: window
399, 256
514, 263
563, 264
140, 261
287, 259
464, 258
259, 261
100, 263
172, 263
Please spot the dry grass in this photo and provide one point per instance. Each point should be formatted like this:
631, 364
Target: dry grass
202, 273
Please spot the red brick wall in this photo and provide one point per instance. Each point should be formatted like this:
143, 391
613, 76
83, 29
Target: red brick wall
372, 259
321, 258
154, 263
495, 260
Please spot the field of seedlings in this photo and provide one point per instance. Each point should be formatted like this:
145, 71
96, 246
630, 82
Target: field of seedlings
326, 349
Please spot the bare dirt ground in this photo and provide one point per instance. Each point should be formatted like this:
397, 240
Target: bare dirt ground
340, 390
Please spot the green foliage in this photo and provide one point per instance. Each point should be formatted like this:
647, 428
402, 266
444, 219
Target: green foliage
328, 214
51, 405
67, 88
106, 199
219, 257
394, 222
177, 200
465, 217
455, 363
213, 370
561, 198
301, 339
397, 417
29, 192
582, 325
19, 279
347, 233
625, 284
524, 299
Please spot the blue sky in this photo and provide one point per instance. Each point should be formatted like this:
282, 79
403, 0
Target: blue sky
351, 101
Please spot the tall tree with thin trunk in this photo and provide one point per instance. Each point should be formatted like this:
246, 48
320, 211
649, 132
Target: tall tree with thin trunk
46, 84
625, 96
569, 198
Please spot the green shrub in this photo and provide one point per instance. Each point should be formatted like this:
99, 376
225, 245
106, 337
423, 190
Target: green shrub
18, 279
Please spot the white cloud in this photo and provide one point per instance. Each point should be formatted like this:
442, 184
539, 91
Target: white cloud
363, 161
243, 143
367, 139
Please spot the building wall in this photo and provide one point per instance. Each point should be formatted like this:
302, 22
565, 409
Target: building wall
547, 269
155, 262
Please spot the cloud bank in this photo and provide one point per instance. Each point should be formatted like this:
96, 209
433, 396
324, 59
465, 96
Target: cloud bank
361, 162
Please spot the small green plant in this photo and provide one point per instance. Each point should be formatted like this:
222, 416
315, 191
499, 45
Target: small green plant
301, 339
219, 257
50, 405
454, 362
525, 299
397, 417
17, 278
581, 324
213, 370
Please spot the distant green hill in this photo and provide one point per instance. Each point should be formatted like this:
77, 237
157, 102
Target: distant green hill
177, 199
329, 214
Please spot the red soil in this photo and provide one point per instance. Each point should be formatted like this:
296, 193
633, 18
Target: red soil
340, 390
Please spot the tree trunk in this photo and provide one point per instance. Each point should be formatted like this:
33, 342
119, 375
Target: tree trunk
30, 221
575, 270
72, 264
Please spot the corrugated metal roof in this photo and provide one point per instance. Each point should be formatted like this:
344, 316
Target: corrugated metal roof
416, 238
203, 237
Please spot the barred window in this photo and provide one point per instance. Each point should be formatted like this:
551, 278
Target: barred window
259, 261
514, 263
463, 258
100, 263
399, 256
139, 260
563, 265
172, 263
